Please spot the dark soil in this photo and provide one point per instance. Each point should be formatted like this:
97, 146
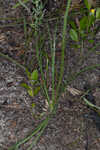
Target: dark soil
74, 127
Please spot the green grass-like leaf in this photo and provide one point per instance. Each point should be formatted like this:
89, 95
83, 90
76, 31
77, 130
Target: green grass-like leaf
19, 4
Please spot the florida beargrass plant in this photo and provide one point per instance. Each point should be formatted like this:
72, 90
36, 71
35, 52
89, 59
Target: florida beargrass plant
53, 100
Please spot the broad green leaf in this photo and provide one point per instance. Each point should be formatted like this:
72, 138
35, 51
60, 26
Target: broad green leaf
30, 92
36, 90
87, 4
25, 86
74, 35
83, 23
98, 13
91, 20
34, 75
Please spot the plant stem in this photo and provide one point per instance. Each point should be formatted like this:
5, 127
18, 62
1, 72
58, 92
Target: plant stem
41, 132
40, 65
13, 61
63, 48
40, 128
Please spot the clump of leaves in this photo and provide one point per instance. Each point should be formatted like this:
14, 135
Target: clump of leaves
84, 27
81, 28
33, 87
